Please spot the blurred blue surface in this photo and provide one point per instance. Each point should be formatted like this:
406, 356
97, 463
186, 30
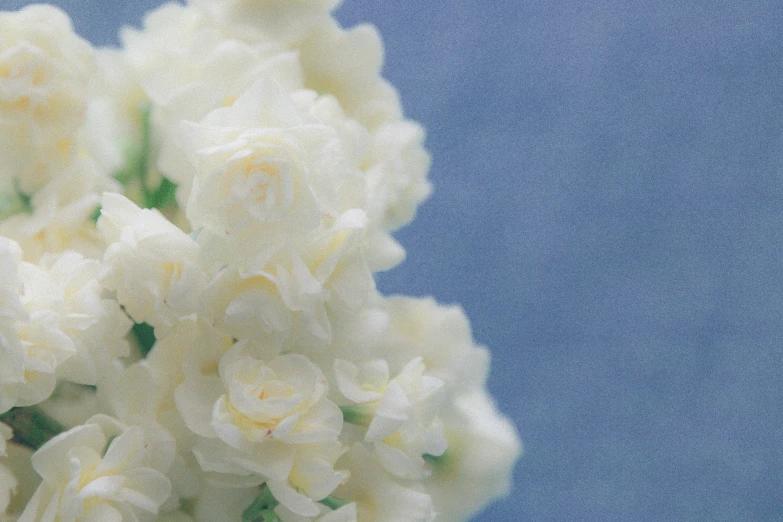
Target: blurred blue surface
607, 210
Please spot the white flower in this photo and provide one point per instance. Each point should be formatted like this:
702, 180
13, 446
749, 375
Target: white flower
397, 173
143, 392
254, 402
101, 470
139, 395
248, 308
188, 68
5, 434
44, 73
265, 421
150, 263
292, 297
67, 284
402, 411
347, 64
261, 164
290, 302
378, 496
191, 348
61, 211
312, 478
67, 329
45, 347
483, 447
112, 116
293, 165
279, 20
441, 335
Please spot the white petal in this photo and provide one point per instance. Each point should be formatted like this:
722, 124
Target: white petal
195, 399
296, 502
322, 422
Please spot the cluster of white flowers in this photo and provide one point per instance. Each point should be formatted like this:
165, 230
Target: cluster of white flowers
189, 324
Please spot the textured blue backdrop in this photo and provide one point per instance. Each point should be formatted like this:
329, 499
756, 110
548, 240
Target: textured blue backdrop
608, 212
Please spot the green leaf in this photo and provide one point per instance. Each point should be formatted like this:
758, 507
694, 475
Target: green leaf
95, 215
10, 204
161, 197
145, 334
269, 515
432, 459
32, 426
24, 199
261, 508
357, 414
16, 202
164, 194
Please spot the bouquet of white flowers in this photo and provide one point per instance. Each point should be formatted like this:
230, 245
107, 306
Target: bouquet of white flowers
189, 324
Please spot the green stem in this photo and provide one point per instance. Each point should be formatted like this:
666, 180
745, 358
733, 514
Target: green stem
24, 199
360, 414
333, 502
262, 508
144, 155
32, 427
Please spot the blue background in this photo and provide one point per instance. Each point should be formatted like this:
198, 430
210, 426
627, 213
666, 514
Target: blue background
608, 212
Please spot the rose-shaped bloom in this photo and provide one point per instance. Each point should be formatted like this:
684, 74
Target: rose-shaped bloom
187, 68
264, 166
150, 263
252, 308
292, 299
399, 413
61, 211
136, 395
44, 347
44, 72
67, 285
143, 392
254, 417
102, 470
192, 347
67, 330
